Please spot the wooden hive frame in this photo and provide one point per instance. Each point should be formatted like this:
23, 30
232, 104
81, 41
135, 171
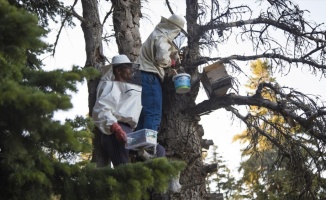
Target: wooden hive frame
216, 80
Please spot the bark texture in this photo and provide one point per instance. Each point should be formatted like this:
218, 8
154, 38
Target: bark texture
92, 30
180, 131
126, 15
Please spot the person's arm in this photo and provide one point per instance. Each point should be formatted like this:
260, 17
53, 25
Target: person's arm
175, 56
163, 52
130, 104
103, 109
108, 98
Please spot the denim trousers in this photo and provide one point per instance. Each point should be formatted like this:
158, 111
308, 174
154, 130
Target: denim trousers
151, 98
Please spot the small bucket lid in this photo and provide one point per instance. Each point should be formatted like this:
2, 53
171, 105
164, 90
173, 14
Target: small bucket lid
181, 74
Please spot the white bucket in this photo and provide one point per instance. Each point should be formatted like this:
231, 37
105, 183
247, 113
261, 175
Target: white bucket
181, 83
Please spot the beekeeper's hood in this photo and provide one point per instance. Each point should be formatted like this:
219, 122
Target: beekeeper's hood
173, 28
107, 71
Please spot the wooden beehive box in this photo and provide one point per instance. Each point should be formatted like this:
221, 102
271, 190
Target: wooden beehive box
216, 80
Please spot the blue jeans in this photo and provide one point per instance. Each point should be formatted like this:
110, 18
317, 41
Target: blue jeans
151, 97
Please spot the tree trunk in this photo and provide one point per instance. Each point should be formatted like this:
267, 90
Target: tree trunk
126, 15
180, 132
92, 30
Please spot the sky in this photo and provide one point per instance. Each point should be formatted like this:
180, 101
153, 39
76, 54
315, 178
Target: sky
217, 125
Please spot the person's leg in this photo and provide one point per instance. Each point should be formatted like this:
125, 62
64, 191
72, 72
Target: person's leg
160, 151
151, 101
140, 124
116, 150
151, 114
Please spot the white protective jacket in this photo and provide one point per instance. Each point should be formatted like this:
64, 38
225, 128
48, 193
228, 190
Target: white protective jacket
116, 101
156, 51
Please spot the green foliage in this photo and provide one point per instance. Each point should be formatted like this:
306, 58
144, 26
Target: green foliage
58, 81
19, 33
131, 181
266, 174
45, 10
222, 180
40, 157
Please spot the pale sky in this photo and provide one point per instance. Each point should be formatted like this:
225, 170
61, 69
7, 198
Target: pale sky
217, 125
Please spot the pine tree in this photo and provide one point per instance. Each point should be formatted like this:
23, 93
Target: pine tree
265, 175
39, 156
220, 181
278, 32
33, 146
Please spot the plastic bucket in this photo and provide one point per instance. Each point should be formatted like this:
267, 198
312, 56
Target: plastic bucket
181, 83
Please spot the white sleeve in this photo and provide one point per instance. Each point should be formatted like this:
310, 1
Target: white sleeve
163, 52
129, 107
104, 107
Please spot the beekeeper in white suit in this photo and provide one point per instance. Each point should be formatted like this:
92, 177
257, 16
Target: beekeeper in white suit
117, 109
158, 53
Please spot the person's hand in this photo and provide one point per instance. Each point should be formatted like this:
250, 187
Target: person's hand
119, 133
173, 63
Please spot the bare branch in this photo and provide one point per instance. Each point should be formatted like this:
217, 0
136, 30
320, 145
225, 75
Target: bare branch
169, 6
77, 16
206, 143
69, 12
282, 26
232, 99
205, 60
210, 168
72, 12
107, 15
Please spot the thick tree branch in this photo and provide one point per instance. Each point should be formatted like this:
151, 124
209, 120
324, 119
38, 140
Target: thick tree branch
206, 143
210, 168
214, 196
264, 21
302, 60
72, 12
232, 99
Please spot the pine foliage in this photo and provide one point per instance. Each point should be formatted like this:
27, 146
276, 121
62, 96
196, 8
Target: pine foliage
39, 156
131, 181
222, 180
266, 175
